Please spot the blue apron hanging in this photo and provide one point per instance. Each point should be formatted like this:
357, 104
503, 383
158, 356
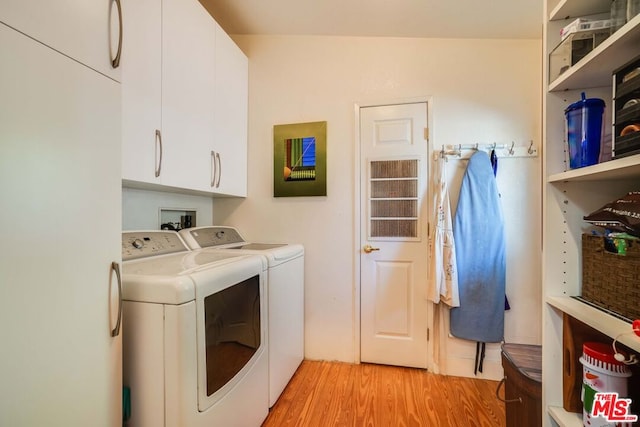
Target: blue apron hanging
494, 164
478, 231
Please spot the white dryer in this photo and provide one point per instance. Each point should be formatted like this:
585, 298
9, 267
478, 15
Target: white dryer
195, 345
285, 289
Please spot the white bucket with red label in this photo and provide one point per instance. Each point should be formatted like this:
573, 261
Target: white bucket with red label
602, 373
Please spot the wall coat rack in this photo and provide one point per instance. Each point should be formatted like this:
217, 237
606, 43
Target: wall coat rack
510, 150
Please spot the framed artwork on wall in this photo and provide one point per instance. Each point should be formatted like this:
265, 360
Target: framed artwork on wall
300, 159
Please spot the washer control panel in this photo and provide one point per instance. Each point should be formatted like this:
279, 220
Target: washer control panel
215, 236
142, 244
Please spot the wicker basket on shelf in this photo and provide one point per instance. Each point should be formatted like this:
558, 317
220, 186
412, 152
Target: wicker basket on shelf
609, 280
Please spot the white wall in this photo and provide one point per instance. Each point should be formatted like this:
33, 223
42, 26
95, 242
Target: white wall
482, 91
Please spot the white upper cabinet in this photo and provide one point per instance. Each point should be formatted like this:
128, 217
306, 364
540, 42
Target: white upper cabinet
184, 100
142, 156
231, 88
88, 31
188, 67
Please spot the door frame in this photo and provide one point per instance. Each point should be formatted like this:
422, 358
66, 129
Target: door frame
357, 220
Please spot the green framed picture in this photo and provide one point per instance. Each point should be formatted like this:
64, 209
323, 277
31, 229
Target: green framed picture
300, 159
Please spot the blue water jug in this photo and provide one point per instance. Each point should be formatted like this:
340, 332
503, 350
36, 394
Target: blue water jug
584, 131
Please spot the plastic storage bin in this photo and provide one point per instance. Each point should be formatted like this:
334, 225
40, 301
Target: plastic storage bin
623, 11
573, 48
584, 131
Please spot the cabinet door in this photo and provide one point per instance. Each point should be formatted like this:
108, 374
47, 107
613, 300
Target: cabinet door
188, 43
231, 89
142, 144
86, 30
61, 207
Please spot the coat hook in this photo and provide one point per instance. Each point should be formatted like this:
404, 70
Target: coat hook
530, 150
443, 154
494, 146
511, 152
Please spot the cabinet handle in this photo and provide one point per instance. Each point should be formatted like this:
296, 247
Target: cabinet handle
158, 150
219, 168
518, 400
568, 362
116, 268
115, 62
213, 168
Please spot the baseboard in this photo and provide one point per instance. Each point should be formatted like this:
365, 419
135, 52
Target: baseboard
463, 367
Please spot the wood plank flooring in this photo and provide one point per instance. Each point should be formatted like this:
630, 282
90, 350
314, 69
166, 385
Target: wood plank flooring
328, 394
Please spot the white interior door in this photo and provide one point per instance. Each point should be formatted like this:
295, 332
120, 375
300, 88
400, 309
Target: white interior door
393, 235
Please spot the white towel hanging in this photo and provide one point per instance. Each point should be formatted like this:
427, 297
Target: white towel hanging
443, 275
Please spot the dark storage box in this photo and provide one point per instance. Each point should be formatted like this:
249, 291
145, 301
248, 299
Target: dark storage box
609, 280
522, 364
626, 113
627, 145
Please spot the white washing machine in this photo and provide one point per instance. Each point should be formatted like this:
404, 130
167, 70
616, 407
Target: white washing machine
285, 286
195, 344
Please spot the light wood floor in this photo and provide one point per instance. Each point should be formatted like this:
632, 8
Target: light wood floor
327, 394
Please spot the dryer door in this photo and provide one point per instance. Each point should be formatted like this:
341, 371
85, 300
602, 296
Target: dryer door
231, 326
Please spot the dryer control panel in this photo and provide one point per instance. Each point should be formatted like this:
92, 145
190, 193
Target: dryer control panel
142, 244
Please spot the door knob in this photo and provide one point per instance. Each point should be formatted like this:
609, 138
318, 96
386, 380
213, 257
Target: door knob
368, 249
